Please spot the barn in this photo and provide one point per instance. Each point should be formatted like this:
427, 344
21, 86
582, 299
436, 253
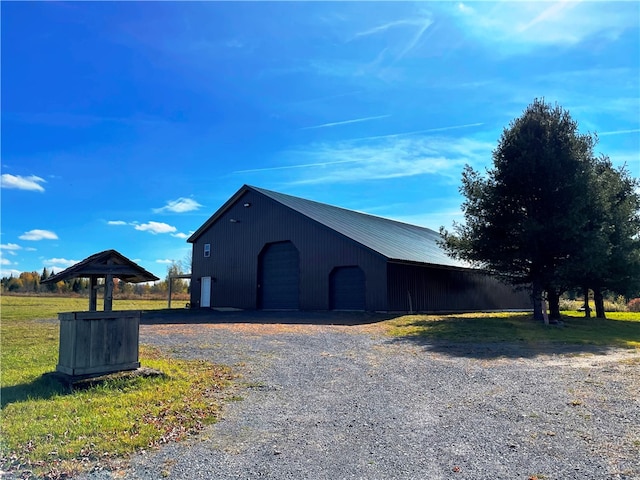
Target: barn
271, 251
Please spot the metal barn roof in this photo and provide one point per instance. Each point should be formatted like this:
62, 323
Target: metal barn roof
395, 240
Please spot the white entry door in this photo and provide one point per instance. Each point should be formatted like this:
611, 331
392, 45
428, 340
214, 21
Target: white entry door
205, 292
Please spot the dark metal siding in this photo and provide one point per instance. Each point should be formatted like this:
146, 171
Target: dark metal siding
347, 289
236, 245
432, 289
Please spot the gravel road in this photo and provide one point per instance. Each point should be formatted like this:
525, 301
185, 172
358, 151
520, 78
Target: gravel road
346, 401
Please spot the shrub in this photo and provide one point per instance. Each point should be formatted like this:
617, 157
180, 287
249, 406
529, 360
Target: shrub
634, 305
570, 305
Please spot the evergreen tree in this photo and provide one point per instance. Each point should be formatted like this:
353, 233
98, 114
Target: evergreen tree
609, 261
521, 219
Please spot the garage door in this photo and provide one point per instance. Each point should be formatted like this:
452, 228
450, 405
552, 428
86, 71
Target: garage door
278, 277
347, 288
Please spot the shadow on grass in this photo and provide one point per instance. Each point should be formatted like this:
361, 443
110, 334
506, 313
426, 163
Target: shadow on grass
209, 316
44, 387
515, 336
53, 384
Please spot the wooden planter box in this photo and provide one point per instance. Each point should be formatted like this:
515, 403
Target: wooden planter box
96, 343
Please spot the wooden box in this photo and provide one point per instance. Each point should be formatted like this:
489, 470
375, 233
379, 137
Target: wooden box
96, 343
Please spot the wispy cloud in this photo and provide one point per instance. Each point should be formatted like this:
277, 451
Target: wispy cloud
10, 246
619, 132
4, 261
386, 158
346, 122
19, 182
287, 167
181, 205
36, 235
155, 227
512, 26
164, 261
418, 24
326, 98
416, 132
180, 235
117, 222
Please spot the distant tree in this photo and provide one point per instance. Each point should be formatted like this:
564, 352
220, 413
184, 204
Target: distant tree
30, 282
177, 285
521, 219
124, 288
186, 262
14, 285
51, 287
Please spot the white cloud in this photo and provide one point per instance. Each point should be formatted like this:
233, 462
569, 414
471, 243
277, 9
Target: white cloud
22, 183
36, 235
180, 235
9, 272
164, 261
116, 222
4, 261
155, 227
181, 205
60, 262
10, 246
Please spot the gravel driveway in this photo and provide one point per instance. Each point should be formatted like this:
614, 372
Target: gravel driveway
346, 401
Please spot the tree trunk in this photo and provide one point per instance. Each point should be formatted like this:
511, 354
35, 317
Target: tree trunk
554, 304
587, 310
536, 297
599, 301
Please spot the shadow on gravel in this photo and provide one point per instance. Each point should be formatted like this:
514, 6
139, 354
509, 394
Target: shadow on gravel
204, 316
495, 350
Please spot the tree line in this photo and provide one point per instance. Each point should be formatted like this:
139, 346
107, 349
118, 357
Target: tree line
551, 215
30, 283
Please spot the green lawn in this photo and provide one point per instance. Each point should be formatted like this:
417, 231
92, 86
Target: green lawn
36, 307
620, 329
52, 429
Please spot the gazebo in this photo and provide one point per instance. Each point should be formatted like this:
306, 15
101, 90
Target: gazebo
109, 264
94, 343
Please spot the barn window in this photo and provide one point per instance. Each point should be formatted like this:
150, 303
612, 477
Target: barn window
207, 249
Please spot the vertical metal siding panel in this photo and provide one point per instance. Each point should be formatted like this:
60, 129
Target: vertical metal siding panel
434, 289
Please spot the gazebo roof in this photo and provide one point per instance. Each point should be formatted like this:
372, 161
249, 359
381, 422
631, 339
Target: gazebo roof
109, 262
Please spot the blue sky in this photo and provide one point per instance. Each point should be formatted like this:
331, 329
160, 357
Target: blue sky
126, 125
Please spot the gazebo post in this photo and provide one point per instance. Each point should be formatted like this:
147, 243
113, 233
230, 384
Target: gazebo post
93, 293
108, 293
108, 289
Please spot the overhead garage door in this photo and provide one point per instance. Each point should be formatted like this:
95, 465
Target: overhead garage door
347, 288
278, 277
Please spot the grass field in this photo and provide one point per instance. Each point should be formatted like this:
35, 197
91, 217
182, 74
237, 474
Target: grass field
42, 307
620, 329
54, 430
